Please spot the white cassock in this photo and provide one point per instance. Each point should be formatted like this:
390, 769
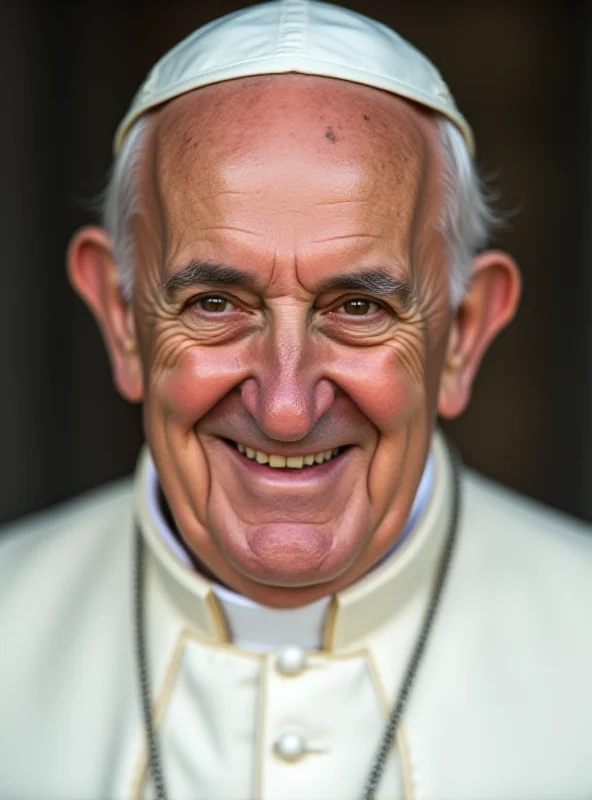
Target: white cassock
501, 708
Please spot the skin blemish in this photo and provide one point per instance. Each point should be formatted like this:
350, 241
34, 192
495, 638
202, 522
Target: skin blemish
366, 117
331, 135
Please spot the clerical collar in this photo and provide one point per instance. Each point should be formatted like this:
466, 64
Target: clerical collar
256, 627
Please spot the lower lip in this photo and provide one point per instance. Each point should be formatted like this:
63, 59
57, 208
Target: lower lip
288, 474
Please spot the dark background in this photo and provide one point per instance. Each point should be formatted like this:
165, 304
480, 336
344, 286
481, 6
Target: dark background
520, 72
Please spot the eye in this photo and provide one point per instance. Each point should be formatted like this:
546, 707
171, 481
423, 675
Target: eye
359, 307
213, 304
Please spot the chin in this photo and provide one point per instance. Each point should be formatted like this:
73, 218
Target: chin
288, 555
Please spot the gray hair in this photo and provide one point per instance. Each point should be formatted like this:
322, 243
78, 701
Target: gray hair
467, 222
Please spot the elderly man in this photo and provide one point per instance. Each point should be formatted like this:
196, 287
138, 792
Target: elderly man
304, 595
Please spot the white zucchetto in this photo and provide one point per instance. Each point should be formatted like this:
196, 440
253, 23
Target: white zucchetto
302, 36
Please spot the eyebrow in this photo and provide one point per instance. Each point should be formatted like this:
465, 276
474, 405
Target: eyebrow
206, 273
376, 280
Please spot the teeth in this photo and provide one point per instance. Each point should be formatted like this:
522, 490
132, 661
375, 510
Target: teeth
281, 462
295, 462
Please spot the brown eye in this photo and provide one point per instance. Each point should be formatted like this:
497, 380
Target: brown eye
359, 307
214, 304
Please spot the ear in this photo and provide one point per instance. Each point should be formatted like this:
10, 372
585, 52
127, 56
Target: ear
487, 307
93, 273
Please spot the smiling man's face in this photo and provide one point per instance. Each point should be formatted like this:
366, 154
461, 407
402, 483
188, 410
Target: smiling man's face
291, 321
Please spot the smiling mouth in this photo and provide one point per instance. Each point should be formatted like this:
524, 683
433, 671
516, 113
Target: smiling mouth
276, 461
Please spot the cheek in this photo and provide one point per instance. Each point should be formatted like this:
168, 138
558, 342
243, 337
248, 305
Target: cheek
197, 381
383, 389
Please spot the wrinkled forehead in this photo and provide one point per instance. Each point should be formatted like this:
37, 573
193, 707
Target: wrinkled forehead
291, 161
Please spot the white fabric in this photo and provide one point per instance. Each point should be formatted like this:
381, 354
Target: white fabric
256, 627
301, 36
501, 710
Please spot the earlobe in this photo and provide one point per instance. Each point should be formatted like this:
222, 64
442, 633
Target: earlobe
93, 273
488, 306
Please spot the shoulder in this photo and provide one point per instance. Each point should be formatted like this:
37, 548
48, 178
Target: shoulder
513, 529
65, 624
514, 652
65, 531
54, 559
526, 570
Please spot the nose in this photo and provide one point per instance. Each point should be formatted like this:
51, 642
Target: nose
286, 392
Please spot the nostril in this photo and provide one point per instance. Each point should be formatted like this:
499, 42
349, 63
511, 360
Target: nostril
324, 397
249, 392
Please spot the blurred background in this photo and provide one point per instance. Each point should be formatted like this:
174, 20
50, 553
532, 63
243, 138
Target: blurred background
520, 71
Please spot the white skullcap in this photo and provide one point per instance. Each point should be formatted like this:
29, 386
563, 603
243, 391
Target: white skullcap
303, 36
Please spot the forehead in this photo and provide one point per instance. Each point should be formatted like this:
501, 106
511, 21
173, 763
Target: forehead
215, 113
291, 157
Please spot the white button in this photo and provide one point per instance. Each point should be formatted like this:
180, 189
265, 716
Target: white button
290, 746
291, 660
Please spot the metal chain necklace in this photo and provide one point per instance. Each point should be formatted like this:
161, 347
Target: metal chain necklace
390, 731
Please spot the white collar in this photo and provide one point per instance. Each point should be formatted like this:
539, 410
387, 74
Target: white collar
256, 627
